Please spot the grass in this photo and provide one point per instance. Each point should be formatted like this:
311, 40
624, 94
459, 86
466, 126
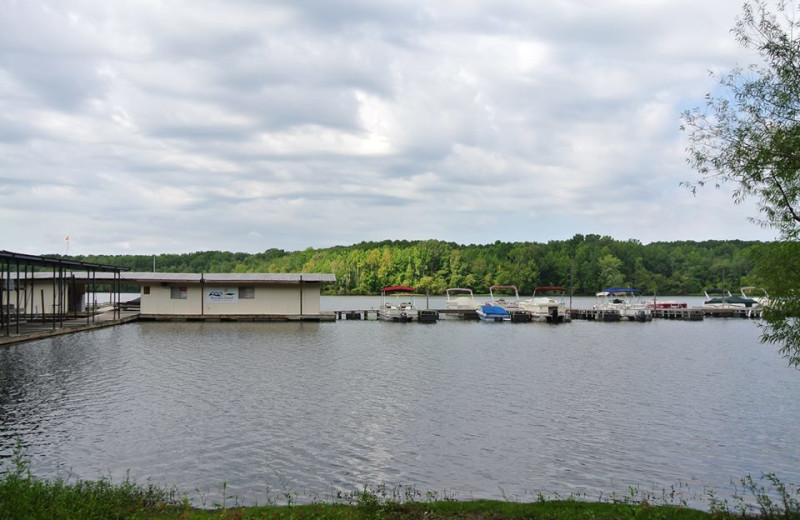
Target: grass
474, 510
24, 497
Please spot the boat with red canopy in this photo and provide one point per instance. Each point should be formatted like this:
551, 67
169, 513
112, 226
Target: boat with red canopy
398, 304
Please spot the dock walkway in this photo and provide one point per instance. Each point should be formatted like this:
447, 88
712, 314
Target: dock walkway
688, 314
33, 329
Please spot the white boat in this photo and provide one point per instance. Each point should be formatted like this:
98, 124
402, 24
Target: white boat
723, 299
627, 301
756, 293
510, 304
505, 302
461, 299
398, 304
488, 312
544, 306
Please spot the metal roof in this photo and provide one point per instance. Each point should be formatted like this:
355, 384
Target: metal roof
44, 261
147, 277
270, 277
162, 277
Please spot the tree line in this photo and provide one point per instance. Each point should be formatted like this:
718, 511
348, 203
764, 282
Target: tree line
583, 264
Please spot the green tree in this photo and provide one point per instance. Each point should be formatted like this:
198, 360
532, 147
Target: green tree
778, 268
610, 273
749, 135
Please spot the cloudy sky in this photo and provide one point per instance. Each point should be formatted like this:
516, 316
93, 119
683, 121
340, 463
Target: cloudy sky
175, 126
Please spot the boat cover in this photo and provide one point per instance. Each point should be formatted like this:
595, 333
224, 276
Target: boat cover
493, 310
747, 302
623, 290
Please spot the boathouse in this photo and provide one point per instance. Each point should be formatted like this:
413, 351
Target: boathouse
279, 296
181, 296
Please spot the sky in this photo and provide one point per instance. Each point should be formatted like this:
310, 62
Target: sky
173, 126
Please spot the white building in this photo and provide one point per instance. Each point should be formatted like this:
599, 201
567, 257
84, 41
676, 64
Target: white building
170, 296
244, 295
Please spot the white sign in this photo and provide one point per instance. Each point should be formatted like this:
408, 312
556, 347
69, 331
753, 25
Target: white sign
222, 295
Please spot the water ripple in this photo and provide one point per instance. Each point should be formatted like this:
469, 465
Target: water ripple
479, 409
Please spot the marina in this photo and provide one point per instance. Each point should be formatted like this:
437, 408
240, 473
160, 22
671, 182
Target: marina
44, 297
113, 314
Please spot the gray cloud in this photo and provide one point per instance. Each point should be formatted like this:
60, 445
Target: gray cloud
246, 125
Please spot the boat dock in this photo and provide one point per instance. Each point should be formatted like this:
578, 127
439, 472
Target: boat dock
425, 315
732, 312
604, 315
689, 314
330, 316
111, 315
685, 314
33, 329
595, 314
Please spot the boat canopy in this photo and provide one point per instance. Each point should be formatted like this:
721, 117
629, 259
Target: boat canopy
397, 288
621, 290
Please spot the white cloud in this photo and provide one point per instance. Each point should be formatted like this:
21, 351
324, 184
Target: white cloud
180, 126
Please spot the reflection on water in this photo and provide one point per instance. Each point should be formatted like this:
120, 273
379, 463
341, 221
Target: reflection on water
473, 409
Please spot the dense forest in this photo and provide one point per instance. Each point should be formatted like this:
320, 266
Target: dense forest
585, 264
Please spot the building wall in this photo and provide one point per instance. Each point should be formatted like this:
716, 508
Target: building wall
230, 299
31, 292
160, 300
157, 298
311, 298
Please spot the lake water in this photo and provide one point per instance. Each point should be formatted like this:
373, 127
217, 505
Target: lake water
463, 409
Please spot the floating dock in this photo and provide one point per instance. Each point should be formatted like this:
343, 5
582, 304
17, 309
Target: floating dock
688, 314
323, 316
731, 312
32, 329
462, 314
685, 314
425, 315
595, 314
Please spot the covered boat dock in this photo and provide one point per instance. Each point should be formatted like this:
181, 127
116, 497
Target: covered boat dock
42, 295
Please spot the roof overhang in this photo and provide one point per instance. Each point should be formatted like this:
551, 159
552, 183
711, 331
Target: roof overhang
45, 261
189, 278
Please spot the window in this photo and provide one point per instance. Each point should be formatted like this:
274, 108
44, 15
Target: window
146, 289
177, 293
247, 292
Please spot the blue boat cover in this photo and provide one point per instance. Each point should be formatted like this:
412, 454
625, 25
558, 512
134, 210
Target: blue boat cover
493, 310
621, 290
